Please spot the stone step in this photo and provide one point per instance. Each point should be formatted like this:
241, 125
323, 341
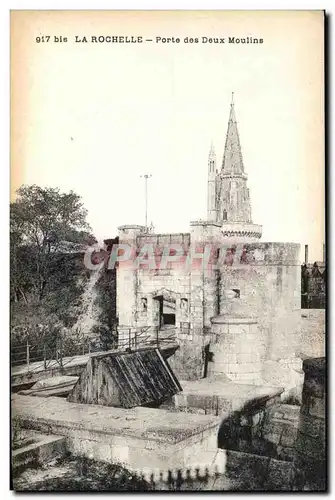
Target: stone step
48, 447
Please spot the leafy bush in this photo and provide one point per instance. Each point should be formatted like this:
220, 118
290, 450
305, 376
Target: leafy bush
107, 337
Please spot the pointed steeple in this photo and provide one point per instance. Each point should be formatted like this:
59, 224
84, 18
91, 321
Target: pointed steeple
228, 199
232, 162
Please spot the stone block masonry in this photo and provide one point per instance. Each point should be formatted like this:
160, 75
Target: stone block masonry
313, 328
44, 448
266, 276
140, 438
269, 283
311, 438
235, 350
219, 397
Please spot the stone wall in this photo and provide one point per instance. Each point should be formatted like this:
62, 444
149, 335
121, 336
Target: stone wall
267, 276
136, 284
311, 438
140, 439
279, 430
172, 284
313, 338
235, 349
188, 363
126, 278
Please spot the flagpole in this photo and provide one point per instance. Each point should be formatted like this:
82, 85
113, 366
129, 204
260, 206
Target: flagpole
146, 177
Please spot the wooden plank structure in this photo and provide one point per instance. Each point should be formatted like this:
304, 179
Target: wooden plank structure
126, 379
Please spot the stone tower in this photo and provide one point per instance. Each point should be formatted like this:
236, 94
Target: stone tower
211, 192
232, 207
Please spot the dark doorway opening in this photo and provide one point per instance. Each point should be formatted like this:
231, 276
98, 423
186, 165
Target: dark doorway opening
166, 311
169, 319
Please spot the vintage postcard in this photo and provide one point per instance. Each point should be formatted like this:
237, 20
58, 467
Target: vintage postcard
167, 246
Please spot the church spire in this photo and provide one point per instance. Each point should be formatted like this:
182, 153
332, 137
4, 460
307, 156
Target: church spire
232, 162
228, 199
233, 201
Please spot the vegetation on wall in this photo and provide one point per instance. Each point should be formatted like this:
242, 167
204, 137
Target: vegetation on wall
48, 235
106, 302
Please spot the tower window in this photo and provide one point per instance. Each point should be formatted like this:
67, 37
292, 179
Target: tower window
184, 304
224, 215
144, 304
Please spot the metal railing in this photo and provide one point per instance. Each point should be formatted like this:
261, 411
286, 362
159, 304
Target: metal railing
132, 338
50, 351
57, 352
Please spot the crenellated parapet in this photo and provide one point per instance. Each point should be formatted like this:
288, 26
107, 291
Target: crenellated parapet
241, 230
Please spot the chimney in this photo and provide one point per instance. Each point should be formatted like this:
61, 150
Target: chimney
306, 254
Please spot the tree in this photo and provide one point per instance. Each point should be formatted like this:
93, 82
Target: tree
41, 220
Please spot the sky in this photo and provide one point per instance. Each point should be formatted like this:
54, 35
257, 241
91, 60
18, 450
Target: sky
94, 117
